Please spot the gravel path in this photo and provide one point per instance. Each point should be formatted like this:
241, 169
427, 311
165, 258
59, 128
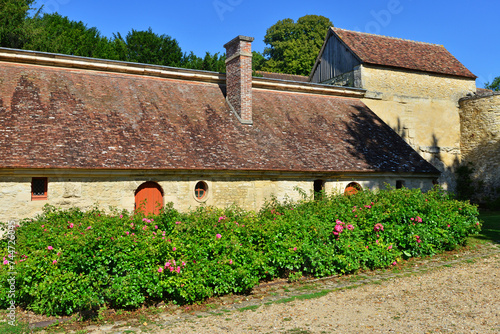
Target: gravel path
460, 299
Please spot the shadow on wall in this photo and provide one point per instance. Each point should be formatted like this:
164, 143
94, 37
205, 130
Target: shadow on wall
434, 156
380, 146
483, 179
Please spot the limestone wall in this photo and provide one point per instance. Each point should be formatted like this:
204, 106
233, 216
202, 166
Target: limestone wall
423, 108
118, 190
480, 140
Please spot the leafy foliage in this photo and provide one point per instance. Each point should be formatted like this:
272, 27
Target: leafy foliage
148, 47
215, 62
69, 261
294, 46
494, 85
57, 34
13, 14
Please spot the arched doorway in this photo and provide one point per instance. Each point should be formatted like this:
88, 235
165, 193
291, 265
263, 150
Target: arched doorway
352, 188
149, 198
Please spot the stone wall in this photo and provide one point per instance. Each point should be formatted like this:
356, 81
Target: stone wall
480, 140
118, 189
423, 108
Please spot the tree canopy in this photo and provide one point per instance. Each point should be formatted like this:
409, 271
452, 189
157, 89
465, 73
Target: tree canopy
58, 34
494, 85
148, 48
13, 15
294, 46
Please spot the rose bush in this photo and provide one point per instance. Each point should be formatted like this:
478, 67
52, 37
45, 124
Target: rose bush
70, 260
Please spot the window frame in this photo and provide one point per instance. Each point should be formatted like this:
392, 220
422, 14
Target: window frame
43, 197
205, 189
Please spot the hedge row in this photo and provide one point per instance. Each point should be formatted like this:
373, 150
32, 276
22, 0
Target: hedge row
69, 261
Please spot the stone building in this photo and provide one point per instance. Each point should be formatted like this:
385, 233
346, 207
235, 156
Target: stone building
413, 87
79, 132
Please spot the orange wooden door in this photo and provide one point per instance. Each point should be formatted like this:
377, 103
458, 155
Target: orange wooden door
149, 198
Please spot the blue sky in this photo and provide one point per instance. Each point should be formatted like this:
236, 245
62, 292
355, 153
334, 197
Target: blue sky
467, 28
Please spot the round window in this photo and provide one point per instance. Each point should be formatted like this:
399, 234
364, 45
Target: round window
200, 191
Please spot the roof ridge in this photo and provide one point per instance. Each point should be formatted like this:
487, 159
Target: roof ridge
299, 75
396, 38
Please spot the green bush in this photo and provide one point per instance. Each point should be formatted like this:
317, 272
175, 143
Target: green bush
69, 261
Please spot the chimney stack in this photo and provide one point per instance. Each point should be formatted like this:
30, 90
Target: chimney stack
239, 77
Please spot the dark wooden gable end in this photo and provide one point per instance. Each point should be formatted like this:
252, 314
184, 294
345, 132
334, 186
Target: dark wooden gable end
335, 59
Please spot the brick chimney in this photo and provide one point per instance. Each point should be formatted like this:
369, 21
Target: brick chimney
239, 77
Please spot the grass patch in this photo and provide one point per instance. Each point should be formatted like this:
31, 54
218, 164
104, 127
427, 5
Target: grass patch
20, 328
490, 230
250, 307
304, 297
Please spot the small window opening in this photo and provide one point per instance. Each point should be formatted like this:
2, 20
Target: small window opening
38, 188
200, 190
400, 184
352, 188
319, 187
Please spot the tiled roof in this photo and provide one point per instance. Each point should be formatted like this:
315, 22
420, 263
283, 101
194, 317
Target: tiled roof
395, 52
74, 118
283, 76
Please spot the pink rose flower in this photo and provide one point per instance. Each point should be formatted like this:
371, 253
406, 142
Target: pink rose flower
218, 236
50, 247
230, 261
160, 269
54, 262
294, 248
174, 249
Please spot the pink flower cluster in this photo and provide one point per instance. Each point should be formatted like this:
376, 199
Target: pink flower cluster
378, 227
417, 219
5, 261
148, 220
339, 227
218, 236
274, 212
172, 266
222, 218
418, 239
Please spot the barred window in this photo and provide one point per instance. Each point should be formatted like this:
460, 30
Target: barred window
38, 188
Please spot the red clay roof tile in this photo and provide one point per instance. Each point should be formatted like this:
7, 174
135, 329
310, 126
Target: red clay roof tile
71, 118
395, 52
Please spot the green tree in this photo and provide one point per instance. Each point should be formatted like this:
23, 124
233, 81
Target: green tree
148, 48
294, 46
13, 14
58, 34
494, 85
215, 62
